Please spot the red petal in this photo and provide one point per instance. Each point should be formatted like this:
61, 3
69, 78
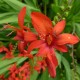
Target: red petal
19, 35
61, 48
58, 28
51, 66
21, 16
43, 51
21, 46
41, 23
29, 36
52, 56
35, 44
66, 39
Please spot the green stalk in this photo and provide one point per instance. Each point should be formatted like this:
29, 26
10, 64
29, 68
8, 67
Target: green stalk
72, 54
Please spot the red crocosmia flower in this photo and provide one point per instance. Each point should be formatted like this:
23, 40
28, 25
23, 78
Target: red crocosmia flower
9, 53
50, 38
23, 31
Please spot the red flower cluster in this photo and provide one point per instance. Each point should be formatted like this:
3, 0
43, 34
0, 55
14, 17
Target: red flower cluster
49, 37
18, 73
21, 73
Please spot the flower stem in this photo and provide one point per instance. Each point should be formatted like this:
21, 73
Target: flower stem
72, 54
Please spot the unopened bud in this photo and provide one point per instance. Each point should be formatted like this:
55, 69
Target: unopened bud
62, 8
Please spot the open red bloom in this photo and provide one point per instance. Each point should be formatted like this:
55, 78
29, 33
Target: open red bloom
50, 38
23, 31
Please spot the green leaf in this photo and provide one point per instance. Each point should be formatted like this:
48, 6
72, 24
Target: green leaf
45, 75
75, 7
59, 58
34, 75
55, 8
77, 27
22, 59
45, 1
6, 62
3, 15
30, 3
78, 50
67, 68
56, 2
74, 13
35, 2
4, 69
9, 19
78, 69
17, 5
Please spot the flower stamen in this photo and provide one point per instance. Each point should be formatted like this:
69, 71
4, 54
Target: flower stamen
49, 39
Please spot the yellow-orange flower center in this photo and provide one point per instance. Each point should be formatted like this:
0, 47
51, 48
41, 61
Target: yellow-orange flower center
49, 39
